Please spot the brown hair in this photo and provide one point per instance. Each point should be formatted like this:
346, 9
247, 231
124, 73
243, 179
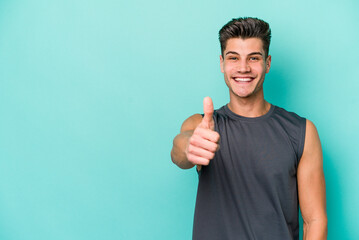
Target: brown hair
246, 27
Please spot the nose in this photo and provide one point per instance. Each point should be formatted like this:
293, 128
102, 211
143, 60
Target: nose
243, 66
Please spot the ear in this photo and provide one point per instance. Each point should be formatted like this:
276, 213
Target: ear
268, 63
221, 63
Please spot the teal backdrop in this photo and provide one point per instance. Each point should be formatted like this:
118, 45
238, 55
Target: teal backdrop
93, 92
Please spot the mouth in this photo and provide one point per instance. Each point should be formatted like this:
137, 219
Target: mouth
243, 79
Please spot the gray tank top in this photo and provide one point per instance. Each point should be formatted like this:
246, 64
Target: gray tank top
249, 189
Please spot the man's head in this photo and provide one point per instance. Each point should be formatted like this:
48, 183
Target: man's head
244, 60
245, 28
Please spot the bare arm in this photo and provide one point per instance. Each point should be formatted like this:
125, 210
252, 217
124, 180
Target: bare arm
180, 142
197, 142
311, 187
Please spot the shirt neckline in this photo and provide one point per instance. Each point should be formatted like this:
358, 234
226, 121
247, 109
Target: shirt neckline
249, 119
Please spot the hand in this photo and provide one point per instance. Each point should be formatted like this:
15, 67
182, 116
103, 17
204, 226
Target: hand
203, 143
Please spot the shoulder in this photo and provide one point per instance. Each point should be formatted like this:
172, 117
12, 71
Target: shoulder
312, 142
191, 123
311, 127
294, 126
290, 121
278, 111
312, 156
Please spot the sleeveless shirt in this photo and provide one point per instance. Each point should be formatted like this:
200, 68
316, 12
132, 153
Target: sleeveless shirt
249, 189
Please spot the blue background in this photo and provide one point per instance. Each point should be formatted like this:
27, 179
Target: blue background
93, 92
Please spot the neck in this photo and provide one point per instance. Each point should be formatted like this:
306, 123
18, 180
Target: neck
249, 107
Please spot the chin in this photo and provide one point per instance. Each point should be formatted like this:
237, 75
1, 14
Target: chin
245, 94
242, 95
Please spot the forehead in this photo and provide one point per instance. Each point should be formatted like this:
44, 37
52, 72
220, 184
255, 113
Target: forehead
244, 46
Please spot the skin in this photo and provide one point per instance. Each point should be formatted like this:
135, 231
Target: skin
197, 142
245, 58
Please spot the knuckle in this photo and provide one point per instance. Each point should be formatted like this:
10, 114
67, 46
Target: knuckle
217, 137
192, 140
197, 130
214, 148
190, 158
190, 148
197, 141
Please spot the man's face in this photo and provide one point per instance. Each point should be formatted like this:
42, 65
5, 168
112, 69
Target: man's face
244, 66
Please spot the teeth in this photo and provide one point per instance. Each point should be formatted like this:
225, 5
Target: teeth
242, 79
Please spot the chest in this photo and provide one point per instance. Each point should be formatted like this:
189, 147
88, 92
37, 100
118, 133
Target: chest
256, 149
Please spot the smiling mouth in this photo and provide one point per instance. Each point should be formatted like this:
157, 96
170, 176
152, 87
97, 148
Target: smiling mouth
244, 79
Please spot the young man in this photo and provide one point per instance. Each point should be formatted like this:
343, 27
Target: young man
256, 161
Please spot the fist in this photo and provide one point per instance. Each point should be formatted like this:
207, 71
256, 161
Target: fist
203, 143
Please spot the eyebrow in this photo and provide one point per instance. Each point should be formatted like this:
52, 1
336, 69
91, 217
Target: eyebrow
252, 53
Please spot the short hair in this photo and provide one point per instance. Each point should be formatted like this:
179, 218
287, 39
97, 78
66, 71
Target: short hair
246, 27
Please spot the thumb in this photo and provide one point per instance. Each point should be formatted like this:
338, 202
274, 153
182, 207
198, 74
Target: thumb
208, 112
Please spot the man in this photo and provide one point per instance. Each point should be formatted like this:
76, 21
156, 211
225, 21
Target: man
256, 161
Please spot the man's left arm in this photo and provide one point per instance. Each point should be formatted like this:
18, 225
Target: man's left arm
311, 187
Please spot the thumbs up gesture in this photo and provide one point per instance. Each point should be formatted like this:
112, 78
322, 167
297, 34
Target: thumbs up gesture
203, 143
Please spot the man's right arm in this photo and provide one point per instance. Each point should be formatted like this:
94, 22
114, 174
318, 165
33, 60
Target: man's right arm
197, 142
180, 142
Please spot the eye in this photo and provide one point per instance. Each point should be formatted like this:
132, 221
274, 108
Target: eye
233, 58
254, 58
